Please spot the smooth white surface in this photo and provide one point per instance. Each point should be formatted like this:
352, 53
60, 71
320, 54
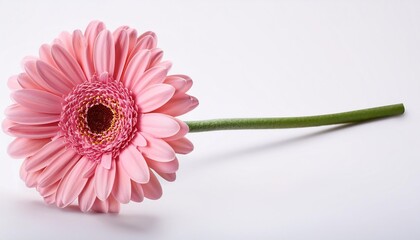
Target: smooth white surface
253, 59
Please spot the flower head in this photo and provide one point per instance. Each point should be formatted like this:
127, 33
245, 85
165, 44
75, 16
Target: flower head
94, 118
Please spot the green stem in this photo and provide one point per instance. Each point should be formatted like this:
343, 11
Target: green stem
296, 122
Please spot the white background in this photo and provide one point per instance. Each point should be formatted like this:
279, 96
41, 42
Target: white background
253, 59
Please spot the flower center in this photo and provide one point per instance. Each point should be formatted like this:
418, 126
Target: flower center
99, 118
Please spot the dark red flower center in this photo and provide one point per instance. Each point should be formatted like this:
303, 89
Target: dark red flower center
99, 118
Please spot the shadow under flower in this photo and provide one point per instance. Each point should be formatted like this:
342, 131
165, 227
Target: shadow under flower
234, 154
134, 223
131, 222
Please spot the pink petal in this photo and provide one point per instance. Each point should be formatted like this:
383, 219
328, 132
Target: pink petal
178, 106
6, 125
87, 196
132, 37
139, 140
136, 68
164, 167
148, 34
80, 51
12, 83
152, 189
26, 82
22, 115
24, 147
158, 125
66, 40
165, 64
22, 171
50, 199
118, 31
122, 185
104, 53
177, 82
181, 83
27, 59
184, 129
73, 183
38, 101
32, 71
58, 167
134, 164
182, 145
170, 177
90, 172
45, 155
157, 149
137, 194
114, 205
29, 131
154, 97
156, 56
91, 32
67, 64
49, 190
104, 181
32, 178
152, 76
45, 55
54, 79
59, 193
106, 160
146, 41
100, 206
121, 52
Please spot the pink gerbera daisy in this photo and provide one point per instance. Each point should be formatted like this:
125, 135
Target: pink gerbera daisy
94, 118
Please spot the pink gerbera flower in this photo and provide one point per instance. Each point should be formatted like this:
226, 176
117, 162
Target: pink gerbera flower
94, 118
